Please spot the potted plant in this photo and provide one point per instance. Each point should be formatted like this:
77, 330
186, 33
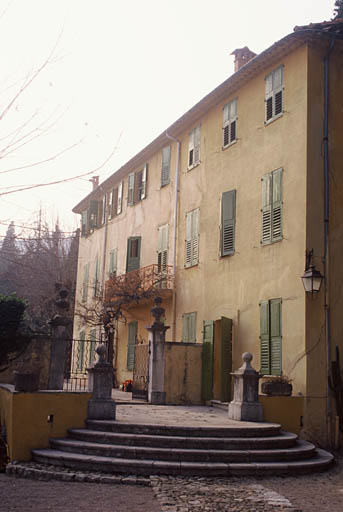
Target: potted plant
277, 386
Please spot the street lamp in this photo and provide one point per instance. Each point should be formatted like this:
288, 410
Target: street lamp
312, 280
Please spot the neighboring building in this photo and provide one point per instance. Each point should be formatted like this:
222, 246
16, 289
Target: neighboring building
232, 197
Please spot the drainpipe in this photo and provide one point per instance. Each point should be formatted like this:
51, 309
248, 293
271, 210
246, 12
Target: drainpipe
176, 204
326, 224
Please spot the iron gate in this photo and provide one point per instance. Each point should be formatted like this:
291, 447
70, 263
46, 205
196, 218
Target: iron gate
141, 371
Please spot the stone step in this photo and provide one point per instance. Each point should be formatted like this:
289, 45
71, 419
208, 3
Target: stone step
302, 450
246, 430
322, 460
281, 441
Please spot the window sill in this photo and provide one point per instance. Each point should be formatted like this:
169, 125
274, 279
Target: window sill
274, 118
191, 266
190, 167
229, 145
272, 242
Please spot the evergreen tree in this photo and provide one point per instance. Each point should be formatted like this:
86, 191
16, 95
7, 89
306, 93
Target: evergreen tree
338, 10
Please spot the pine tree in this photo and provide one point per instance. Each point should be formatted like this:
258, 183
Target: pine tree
338, 10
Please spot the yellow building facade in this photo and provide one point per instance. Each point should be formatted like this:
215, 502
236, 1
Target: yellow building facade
232, 200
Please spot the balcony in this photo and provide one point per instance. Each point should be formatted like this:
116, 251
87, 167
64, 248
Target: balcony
139, 286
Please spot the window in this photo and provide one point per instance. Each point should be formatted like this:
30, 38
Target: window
120, 198
85, 282
274, 91
137, 186
228, 214
102, 210
96, 283
272, 207
194, 147
165, 171
131, 342
93, 212
229, 123
112, 268
114, 201
162, 248
110, 199
189, 327
133, 253
192, 238
270, 336
84, 224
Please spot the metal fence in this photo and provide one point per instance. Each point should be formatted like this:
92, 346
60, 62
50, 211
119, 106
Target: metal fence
80, 356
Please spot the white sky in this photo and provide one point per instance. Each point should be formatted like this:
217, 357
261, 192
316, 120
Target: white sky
123, 71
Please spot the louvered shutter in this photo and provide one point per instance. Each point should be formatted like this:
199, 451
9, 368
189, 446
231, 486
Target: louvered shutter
185, 328
110, 204
277, 205
266, 209
197, 145
81, 350
93, 214
162, 248
207, 360
133, 253
92, 339
96, 277
131, 187
265, 337
228, 222
165, 173
195, 236
275, 337
131, 345
85, 282
277, 89
188, 241
144, 182
84, 216
120, 197
191, 149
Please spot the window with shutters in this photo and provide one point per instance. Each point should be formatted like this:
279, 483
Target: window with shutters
133, 253
102, 210
229, 123
85, 282
140, 184
93, 216
119, 205
271, 337
228, 215
110, 200
112, 267
162, 248
274, 94
272, 207
131, 349
84, 223
192, 238
165, 171
131, 188
189, 327
115, 201
96, 282
194, 147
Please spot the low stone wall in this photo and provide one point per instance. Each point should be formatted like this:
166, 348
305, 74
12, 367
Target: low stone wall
36, 358
286, 410
30, 419
182, 374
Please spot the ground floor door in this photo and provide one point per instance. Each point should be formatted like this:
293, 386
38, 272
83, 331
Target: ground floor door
217, 360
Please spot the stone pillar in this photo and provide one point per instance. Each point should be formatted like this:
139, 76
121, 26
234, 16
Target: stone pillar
245, 405
157, 336
100, 378
60, 340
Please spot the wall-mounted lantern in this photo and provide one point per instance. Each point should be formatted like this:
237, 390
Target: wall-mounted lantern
312, 278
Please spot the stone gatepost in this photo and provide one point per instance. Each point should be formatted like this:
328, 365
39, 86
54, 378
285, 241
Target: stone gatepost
245, 405
61, 327
157, 336
100, 378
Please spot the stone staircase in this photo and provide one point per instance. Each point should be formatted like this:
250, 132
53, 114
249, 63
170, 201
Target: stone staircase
147, 449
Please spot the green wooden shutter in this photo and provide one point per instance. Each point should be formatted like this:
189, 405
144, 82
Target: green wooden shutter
80, 352
265, 337
277, 205
228, 222
131, 345
133, 253
275, 337
165, 172
84, 216
266, 209
92, 339
185, 328
226, 358
131, 188
207, 360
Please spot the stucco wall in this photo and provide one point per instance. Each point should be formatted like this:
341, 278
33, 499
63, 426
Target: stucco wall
25, 416
182, 374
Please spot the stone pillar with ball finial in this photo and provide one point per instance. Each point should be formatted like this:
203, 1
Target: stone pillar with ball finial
101, 406
157, 336
245, 405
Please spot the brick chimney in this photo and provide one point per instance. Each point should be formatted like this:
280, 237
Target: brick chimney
242, 56
95, 181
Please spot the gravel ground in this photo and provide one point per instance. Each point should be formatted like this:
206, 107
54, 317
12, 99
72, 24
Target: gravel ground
304, 493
